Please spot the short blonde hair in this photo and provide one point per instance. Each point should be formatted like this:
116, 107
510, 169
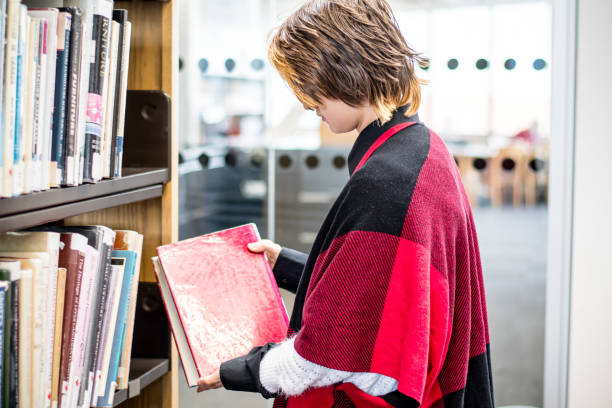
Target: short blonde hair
351, 50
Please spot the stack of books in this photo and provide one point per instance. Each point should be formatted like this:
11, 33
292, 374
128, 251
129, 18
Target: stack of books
67, 307
63, 85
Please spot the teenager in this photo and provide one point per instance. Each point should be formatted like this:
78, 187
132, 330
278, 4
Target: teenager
390, 306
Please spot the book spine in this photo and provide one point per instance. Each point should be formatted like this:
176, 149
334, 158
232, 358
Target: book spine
3, 20
119, 16
61, 86
42, 122
109, 92
3, 320
25, 336
10, 94
34, 173
14, 346
106, 283
52, 21
31, 76
20, 100
83, 97
127, 38
95, 102
50, 332
6, 355
100, 378
57, 340
73, 260
72, 99
40, 285
81, 330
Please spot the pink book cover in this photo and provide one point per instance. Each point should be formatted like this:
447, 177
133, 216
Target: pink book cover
226, 297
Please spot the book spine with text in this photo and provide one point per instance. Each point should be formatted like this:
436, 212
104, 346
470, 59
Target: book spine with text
3, 20
72, 257
31, 77
72, 97
98, 75
10, 95
22, 42
61, 86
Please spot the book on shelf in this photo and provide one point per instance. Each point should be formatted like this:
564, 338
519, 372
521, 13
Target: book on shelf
57, 334
64, 31
63, 85
202, 280
4, 308
10, 271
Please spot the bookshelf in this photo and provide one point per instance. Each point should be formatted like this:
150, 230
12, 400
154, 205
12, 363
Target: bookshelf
145, 199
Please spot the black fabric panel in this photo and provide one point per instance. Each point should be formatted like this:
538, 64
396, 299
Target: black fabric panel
478, 391
242, 373
399, 400
377, 197
288, 268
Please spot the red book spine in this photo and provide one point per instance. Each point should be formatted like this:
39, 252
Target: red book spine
73, 260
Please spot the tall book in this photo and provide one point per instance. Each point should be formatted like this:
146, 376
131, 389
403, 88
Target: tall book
200, 280
110, 97
123, 61
57, 335
130, 241
64, 23
40, 121
10, 271
106, 400
4, 287
2, 62
71, 155
26, 296
110, 320
24, 24
32, 84
50, 15
10, 95
77, 370
72, 257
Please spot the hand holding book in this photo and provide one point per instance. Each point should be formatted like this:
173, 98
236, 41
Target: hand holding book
269, 248
211, 382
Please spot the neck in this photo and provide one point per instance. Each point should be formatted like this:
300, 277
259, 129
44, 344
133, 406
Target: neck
369, 115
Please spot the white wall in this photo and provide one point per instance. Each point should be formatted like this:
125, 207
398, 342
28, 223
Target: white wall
590, 356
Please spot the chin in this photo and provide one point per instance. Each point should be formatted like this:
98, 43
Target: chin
339, 129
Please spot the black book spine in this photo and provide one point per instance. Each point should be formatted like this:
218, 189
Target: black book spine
14, 346
95, 105
107, 252
61, 85
119, 16
72, 95
6, 356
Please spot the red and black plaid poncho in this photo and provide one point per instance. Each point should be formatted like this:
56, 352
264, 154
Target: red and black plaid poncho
393, 284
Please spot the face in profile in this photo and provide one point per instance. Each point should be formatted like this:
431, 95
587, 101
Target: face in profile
340, 116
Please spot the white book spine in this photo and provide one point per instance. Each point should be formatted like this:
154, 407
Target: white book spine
76, 365
40, 284
52, 16
51, 272
110, 99
111, 330
25, 338
31, 79
24, 31
125, 64
40, 110
83, 95
10, 95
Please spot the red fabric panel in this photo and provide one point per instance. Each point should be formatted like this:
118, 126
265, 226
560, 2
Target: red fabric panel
343, 308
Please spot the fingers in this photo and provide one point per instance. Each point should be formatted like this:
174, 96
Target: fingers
208, 383
261, 246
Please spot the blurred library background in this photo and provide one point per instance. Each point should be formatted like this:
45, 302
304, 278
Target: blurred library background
250, 153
